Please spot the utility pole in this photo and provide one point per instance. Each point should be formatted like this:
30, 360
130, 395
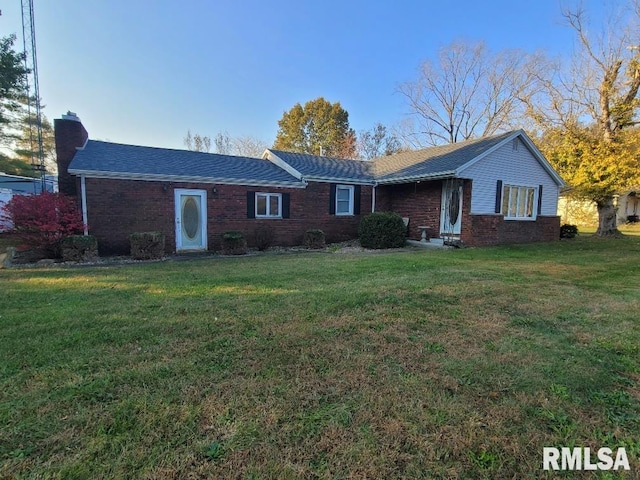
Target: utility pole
34, 114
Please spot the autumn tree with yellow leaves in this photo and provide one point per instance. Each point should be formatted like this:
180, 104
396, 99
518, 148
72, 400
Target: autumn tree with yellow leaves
588, 113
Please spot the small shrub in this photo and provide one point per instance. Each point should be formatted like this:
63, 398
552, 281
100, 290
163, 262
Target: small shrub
264, 236
234, 243
79, 248
147, 245
382, 230
314, 238
40, 222
568, 231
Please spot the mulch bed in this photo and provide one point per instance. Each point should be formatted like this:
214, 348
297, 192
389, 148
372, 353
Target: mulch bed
24, 260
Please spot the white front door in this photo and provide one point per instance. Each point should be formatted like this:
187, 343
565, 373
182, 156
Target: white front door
191, 219
451, 207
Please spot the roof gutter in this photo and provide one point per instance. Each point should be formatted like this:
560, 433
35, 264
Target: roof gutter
350, 181
418, 178
150, 177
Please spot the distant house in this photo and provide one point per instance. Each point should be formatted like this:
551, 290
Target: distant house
629, 206
481, 192
585, 213
11, 185
5, 196
582, 213
19, 185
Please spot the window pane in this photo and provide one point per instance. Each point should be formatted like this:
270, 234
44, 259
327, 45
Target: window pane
342, 207
505, 200
343, 200
261, 205
522, 201
273, 206
530, 195
513, 202
343, 194
191, 217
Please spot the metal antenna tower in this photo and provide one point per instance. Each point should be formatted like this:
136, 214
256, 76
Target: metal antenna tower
34, 115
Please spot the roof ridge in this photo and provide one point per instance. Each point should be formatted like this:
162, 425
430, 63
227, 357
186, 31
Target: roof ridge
138, 161
276, 151
453, 146
182, 150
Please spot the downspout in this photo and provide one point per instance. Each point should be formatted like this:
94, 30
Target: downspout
373, 198
83, 197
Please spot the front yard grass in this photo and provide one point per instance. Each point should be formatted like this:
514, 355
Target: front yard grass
426, 364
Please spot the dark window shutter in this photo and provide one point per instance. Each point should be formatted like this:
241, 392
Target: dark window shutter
498, 196
539, 199
285, 205
251, 204
356, 200
332, 199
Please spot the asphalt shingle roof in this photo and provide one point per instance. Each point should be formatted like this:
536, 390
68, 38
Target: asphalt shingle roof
434, 160
316, 167
116, 159
130, 161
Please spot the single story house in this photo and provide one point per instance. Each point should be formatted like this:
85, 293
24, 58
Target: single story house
481, 192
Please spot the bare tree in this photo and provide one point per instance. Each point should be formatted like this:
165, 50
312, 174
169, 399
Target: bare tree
197, 142
248, 146
223, 143
377, 142
587, 109
470, 92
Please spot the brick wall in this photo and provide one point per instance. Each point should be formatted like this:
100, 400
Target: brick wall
117, 208
421, 203
483, 230
418, 201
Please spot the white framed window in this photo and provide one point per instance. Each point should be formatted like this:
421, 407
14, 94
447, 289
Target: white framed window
268, 205
344, 199
519, 202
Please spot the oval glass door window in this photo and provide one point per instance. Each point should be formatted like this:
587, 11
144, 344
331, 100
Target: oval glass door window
454, 206
190, 218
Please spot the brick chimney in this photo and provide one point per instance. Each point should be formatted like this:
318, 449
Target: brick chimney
70, 134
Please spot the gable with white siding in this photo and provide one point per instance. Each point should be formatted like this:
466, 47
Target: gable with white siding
513, 163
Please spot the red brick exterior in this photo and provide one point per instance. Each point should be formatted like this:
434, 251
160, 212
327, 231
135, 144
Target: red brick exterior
69, 134
421, 203
483, 230
418, 201
117, 208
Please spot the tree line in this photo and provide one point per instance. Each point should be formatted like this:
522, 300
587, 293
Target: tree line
581, 111
15, 121
318, 127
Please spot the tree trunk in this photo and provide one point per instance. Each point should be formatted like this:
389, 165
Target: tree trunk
607, 224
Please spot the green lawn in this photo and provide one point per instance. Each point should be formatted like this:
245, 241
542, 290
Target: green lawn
426, 364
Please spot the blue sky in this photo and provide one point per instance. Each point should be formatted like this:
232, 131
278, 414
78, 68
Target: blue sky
145, 72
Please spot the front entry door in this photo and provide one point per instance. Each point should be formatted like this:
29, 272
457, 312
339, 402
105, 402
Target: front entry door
191, 219
451, 208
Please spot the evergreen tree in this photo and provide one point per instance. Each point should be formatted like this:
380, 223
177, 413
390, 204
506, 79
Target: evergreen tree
12, 89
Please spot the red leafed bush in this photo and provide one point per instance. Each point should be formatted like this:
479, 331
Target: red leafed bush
42, 221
